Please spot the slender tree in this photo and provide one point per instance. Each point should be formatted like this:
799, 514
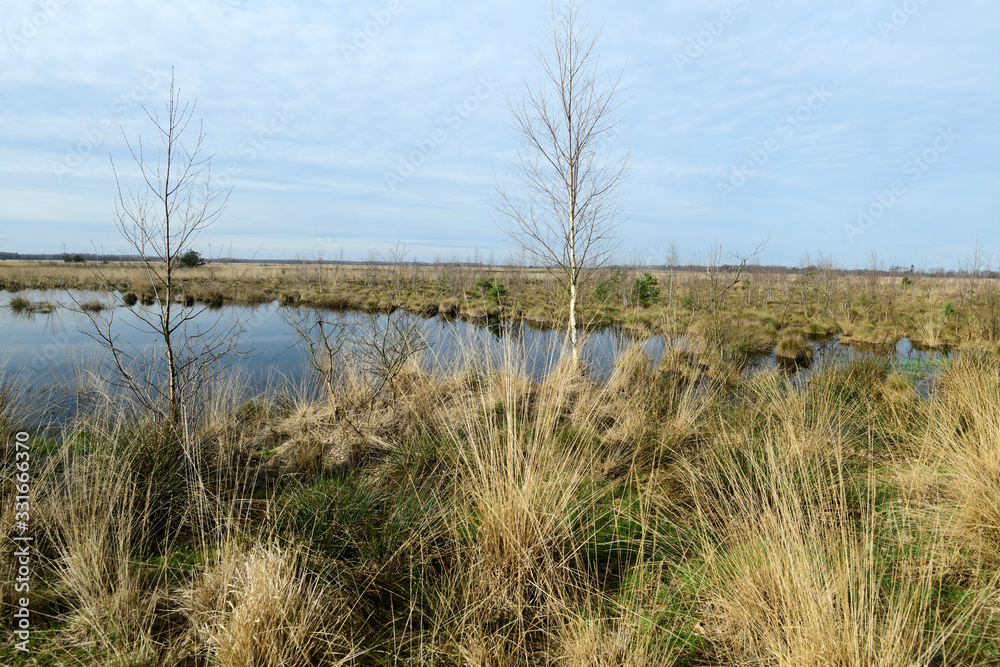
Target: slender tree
564, 207
160, 223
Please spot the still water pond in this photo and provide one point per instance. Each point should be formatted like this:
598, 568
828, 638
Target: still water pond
50, 351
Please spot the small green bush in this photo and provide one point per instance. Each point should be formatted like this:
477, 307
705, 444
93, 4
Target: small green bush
644, 289
493, 290
190, 259
442, 284
606, 288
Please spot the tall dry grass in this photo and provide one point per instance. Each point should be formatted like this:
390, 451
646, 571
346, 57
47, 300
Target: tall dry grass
799, 567
101, 531
963, 439
260, 604
660, 517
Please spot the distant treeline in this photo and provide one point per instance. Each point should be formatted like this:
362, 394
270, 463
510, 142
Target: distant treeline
84, 257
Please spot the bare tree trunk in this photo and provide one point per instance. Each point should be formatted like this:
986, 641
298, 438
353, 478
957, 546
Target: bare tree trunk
572, 261
174, 396
572, 323
173, 390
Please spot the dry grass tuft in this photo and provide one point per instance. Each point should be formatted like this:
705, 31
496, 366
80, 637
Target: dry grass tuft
19, 304
632, 369
518, 557
100, 520
794, 347
261, 606
621, 407
643, 626
796, 570
963, 436
793, 591
628, 640
928, 333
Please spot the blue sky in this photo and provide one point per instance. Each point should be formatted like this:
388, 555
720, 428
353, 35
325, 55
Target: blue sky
834, 128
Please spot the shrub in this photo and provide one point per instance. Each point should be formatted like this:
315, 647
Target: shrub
605, 288
949, 309
442, 284
493, 290
191, 259
644, 289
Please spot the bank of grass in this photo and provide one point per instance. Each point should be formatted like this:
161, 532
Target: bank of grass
663, 517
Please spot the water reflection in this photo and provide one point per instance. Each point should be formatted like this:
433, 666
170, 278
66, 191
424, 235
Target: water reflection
917, 362
50, 351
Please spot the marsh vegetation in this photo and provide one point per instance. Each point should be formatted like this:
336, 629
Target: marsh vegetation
665, 515
873, 306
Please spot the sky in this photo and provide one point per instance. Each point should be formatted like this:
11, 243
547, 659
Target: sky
832, 129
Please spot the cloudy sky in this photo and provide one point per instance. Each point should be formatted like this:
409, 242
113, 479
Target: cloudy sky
834, 128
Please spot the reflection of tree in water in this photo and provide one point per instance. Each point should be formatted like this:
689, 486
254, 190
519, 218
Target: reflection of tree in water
498, 328
512, 330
